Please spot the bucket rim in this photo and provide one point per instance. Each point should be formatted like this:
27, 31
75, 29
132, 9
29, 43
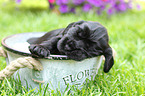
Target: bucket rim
8, 48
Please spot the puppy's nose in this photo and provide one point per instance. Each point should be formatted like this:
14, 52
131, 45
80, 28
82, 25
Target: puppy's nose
67, 47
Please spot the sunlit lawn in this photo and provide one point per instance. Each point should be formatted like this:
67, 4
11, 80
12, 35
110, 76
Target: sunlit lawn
127, 37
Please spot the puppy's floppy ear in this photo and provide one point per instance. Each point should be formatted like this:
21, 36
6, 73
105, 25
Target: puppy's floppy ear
109, 61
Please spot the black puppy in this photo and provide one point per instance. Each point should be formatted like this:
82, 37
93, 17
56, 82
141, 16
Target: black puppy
79, 40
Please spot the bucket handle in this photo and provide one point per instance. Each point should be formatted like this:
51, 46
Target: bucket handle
21, 62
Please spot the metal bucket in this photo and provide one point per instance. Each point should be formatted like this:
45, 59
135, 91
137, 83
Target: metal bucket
58, 70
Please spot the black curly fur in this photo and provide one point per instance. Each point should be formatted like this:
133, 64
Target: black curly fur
79, 40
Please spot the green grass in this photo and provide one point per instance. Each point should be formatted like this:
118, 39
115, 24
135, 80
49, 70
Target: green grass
127, 37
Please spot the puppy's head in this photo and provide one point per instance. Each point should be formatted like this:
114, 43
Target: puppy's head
75, 42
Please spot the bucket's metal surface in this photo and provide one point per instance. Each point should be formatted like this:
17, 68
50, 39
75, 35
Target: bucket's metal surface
58, 73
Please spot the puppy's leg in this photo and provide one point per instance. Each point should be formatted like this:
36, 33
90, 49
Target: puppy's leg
38, 51
44, 49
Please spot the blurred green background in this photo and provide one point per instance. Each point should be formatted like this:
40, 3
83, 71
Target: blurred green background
127, 37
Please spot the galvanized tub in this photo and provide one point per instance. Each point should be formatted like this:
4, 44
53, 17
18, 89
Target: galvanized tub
58, 71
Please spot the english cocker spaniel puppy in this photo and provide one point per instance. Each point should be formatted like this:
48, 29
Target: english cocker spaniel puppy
78, 41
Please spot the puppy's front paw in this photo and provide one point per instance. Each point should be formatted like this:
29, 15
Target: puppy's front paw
39, 51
